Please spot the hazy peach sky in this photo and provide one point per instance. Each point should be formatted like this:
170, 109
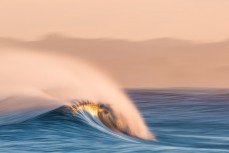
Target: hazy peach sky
198, 20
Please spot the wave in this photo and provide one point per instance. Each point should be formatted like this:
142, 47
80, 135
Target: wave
34, 83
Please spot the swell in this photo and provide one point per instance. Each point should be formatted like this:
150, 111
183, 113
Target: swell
98, 116
84, 113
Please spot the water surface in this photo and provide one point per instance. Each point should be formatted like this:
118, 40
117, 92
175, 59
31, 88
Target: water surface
186, 121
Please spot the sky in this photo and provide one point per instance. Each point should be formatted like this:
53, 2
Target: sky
195, 20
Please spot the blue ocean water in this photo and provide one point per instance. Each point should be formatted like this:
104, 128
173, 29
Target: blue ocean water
183, 120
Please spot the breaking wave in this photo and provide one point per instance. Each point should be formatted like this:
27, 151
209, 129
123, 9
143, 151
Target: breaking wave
33, 84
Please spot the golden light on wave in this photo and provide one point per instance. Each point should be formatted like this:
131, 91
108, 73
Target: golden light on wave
89, 107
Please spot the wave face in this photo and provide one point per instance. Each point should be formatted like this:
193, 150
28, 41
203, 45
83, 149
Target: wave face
33, 84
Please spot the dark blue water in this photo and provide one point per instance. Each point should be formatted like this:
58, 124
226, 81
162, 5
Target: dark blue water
187, 121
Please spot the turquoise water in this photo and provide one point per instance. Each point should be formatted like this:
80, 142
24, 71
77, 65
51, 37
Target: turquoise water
186, 121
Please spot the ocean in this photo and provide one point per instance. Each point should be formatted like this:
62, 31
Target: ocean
182, 120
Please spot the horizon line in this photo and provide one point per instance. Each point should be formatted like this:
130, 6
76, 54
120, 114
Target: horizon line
60, 35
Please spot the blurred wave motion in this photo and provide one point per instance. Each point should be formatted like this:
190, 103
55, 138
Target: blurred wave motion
33, 84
